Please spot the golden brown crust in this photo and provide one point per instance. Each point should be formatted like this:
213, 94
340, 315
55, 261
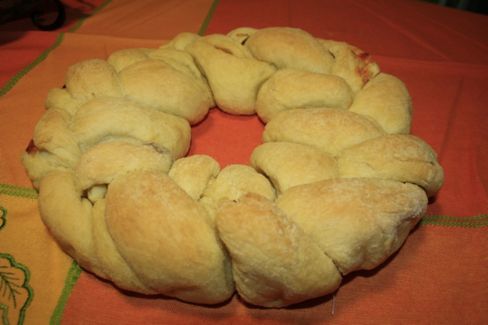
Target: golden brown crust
188, 262
111, 264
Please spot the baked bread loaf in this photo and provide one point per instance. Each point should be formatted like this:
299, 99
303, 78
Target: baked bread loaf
336, 186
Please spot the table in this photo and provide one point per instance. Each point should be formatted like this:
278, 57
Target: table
438, 277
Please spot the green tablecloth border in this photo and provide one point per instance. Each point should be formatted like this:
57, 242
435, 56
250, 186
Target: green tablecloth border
70, 281
208, 18
13, 190
477, 221
59, 39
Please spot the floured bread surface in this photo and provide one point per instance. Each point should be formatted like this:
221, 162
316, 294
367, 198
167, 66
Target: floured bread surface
232, 73
92, 78
289, 164
336, 186
404, 158
290, 48
275, 262
188, 260
351, 220
330, 130
386, 100
289, 89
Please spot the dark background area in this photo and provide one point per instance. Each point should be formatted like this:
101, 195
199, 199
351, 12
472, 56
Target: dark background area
42, 14
478, 6
53, 14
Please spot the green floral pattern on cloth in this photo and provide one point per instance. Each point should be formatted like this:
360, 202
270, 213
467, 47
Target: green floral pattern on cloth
15, 292
3, 217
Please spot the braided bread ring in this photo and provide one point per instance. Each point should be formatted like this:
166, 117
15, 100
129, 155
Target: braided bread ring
336, 186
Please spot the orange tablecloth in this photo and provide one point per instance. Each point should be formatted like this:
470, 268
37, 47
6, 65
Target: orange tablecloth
440, 276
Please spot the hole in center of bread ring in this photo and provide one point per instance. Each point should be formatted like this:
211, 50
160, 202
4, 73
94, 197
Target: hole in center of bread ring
230, 139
